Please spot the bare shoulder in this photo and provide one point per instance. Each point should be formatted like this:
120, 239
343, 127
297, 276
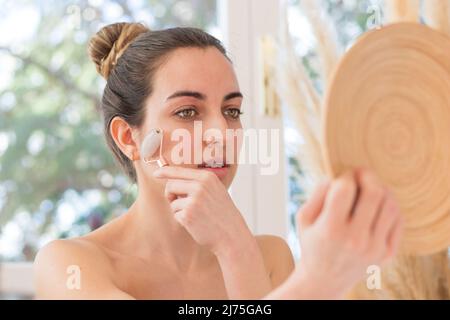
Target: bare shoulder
267, 241
277, 257
74, 269
75, 251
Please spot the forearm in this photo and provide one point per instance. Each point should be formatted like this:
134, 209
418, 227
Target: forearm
244, 272
299, 286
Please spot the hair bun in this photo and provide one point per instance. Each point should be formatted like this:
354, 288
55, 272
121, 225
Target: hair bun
107, 45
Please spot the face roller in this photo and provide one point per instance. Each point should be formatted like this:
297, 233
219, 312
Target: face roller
152, 142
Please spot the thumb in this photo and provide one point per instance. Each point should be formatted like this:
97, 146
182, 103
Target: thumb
310, 211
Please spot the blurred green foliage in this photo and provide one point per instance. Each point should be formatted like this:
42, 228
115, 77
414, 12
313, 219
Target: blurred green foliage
53, 157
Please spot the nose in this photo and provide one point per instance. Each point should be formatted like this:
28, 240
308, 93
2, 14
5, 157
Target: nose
215, 128
214, 137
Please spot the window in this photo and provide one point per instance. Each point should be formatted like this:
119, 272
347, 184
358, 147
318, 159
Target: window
57, 177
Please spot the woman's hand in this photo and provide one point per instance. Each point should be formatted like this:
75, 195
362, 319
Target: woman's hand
346, 226
201, 203
203, 206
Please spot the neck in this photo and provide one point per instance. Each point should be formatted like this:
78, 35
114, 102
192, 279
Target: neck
156, 232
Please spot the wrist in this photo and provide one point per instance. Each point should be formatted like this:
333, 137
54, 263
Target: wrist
311, 285
238, 242
237, 249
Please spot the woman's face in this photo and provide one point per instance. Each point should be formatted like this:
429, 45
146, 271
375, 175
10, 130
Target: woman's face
195, 96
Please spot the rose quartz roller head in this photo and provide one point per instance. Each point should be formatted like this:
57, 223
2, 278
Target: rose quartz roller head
152, 142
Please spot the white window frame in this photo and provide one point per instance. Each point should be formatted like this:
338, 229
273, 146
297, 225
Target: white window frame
261, 199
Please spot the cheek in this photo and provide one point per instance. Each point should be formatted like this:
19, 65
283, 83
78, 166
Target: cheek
160, 119
234, 145
185, 145
179, 146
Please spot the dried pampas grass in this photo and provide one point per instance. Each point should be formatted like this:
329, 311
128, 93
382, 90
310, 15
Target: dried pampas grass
402, 10
328, 46
411, 278
407, 277
437, 14
299, 96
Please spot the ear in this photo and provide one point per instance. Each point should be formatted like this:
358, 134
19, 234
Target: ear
122, 133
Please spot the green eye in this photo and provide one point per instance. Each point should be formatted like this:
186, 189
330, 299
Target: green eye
234, 113
186, 113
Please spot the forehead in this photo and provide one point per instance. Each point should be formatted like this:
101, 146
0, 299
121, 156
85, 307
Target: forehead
196, 69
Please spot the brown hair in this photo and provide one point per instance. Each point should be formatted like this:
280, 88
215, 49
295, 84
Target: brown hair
128, 55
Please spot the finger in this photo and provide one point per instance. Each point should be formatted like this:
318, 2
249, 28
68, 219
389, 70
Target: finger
179, 204
178, 188
180, 217
386, 220
369, 203
172, 172
309, 212
341, 198
395, 237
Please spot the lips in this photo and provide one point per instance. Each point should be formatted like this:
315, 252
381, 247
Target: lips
220, 169
213, 164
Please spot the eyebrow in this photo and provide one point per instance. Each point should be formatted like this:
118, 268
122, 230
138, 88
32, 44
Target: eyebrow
201, 96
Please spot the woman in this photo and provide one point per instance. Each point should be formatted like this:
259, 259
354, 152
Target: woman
183, 238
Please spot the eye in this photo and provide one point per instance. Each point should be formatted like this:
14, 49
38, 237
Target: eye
187, 113
233, 113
